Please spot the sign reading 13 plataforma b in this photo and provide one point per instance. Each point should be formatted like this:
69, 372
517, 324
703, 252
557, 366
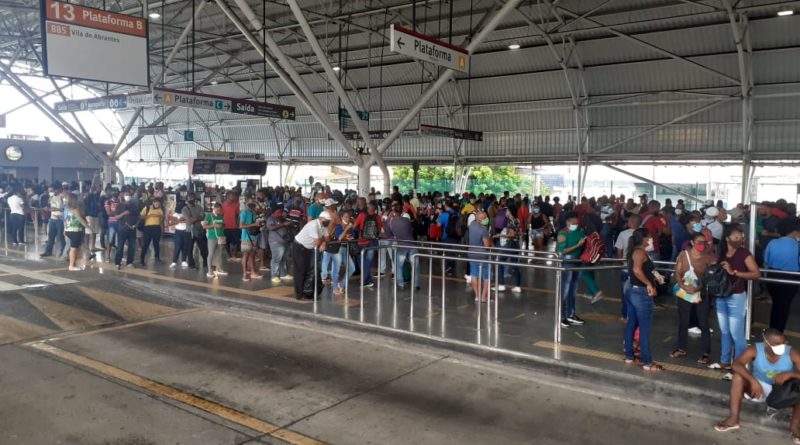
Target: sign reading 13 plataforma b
93, 44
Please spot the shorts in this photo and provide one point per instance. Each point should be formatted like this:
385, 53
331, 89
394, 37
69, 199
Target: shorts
94, 225
75, 239
248, 245
767, 390
139, 234
536, 233
484, 270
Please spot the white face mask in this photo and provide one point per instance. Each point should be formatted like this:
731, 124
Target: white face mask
777, 349
127, 198
678, 212
649, 247
536, 210
573, 227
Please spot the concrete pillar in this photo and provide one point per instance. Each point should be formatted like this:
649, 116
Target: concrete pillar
364, 179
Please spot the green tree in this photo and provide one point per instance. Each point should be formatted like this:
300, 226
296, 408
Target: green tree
483, 179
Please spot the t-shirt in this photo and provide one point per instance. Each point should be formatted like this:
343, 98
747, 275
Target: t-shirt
361, 220
567, 239
444, 218
246, 217
622, 240
400, 228
477, 234
277, 236
310, 233
56, 206
92, 204
782, 254
73, 224
654, 226
230, 214
16, 204
216, 233
111, 209
153, 216
197, 214
314, 211
181, 225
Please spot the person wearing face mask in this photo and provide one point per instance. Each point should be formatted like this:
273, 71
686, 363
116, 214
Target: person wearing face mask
313, 235
127, 213
214, 224
250, 228
570, 243
607, 219
679, 233
55, 227
540, 227
153, 216
781, 255
194, 214
640, 292
479, 240
279, 239
696, 259
113, 222
740, 265
773, 362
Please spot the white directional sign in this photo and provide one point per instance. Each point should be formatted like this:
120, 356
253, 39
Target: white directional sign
188, 99
93, 44
115, 102
425, 48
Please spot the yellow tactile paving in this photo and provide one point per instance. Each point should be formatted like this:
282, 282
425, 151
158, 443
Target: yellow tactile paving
619, 358
126, 307
12, 330
66, 317
208, 406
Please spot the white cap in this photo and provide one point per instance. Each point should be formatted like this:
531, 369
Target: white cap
406, 216
712, 212
325, 215
328, 202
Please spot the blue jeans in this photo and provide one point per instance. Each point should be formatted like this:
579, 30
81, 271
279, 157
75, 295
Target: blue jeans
608, 239
570, 279
626, 284
404, 255
513, 270
278, 262
369, 257
336, 260
113, 230
55, 231
179, 245
450, 264
384, 252
125, 236
640, 314
730, 314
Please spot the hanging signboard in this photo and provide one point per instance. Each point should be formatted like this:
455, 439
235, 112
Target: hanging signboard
153, 131
227, 163
93, 44
346, 123
453, 133
356, 136
419, 46
115, 102
190, 99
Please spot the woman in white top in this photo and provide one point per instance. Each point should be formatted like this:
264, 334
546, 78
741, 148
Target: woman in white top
17, 218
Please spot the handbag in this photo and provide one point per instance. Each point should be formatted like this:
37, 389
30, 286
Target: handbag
784, 396
689, 279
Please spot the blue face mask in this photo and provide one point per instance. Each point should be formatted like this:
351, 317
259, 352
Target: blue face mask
573, 227
697, 227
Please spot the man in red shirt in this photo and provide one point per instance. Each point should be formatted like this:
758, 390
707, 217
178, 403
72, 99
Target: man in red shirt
655, 224
230, 218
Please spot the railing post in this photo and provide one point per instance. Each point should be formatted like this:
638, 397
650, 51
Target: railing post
5, 224
378, 254
347, 274
752, 246
35, 233
479, 302
316, 272
363, 251
430, 274
413, 289
557, 326
396, 266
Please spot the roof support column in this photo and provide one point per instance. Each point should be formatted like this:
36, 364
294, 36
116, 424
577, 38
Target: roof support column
446, 76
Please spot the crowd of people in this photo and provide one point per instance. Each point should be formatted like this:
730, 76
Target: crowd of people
264, 229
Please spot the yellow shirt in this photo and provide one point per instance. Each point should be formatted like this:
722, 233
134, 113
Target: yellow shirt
468, 208
153, 218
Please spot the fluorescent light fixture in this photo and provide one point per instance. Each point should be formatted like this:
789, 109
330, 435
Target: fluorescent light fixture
337, 69
785, 12
213, 82
154, 15
513, 46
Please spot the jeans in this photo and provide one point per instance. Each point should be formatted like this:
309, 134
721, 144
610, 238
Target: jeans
384, 253
55, 231
570, 279
152, 234
215, 254
113, 230
626, 284
347, 259
730, 314
404, 255
332, 262
123, 236
278, 262
450, 264
608, 239
202, 246
640, 314
103, 232
180, 241
369, 257
684, 316
18, 228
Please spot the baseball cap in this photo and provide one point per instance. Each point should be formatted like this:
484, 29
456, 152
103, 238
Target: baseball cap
712, 212
329, 202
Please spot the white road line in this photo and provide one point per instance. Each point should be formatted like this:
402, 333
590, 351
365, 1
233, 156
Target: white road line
8, 286
36, 275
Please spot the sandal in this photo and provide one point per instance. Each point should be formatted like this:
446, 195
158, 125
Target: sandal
723, 427
704, 360
678, 353
635, 359
795, 438
653, 367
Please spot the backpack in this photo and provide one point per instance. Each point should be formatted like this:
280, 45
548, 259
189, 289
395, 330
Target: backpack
453, 227
593, 249
370, 231
463, 223
716, 282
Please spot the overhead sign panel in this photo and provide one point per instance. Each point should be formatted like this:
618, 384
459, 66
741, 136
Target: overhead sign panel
356, 136
453, 133
191, 99
346, 122
115, 102
93, 44
426, 48
153, 131
221, 162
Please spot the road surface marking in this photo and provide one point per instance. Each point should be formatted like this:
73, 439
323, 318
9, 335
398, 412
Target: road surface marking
66, 317
36, 275
12, 330
126, 307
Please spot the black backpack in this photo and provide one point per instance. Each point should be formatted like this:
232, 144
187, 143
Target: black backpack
370, 230
716, 282
453, 228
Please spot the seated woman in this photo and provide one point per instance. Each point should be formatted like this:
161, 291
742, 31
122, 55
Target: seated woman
773, 363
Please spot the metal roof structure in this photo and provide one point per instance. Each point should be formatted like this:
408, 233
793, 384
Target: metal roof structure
593, 81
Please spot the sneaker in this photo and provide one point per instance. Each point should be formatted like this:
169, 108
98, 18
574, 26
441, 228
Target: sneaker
468, 278
173, 265
516, 290
597, 298
587, 296
575, 320
245, 278
565, 323
501, 288
287, 277
210, 275
695, 331
221, 272
276, 280
370, 284
184, 265
74, 269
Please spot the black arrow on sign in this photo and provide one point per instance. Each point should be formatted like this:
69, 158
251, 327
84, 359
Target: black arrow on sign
400, 42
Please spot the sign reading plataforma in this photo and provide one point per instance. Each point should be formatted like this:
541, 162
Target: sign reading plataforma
428, 49
93, 44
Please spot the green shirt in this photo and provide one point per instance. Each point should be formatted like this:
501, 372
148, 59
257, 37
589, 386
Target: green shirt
214, 234
567, 239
